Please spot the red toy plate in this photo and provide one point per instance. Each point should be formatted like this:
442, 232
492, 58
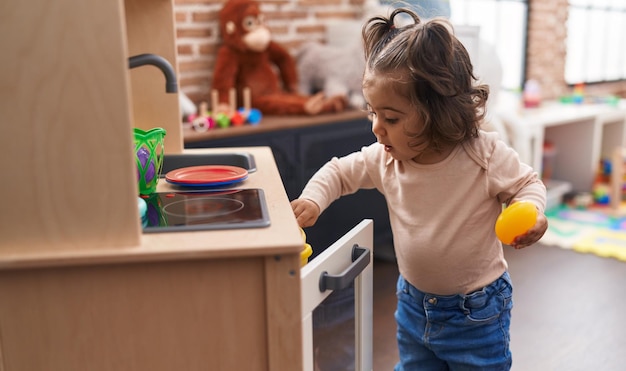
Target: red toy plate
206, 174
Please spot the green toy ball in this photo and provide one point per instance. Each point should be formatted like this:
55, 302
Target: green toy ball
222, 120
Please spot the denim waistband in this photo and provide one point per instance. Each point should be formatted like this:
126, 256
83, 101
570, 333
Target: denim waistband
476, 299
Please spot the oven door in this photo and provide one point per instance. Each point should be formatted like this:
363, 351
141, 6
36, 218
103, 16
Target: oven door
337, 304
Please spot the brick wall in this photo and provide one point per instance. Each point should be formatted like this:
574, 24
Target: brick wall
545, 55
294, 22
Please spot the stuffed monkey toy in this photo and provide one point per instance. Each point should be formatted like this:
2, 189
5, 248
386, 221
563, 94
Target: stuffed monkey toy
248, 58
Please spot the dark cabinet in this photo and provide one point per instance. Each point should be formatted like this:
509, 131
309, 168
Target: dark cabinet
299, 153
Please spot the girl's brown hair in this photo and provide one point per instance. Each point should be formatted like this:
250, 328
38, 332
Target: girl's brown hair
426, 57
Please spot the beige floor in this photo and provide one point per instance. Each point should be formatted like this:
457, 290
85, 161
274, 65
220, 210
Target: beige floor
569, 314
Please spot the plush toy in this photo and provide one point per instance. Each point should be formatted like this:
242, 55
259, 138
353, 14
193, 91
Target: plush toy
333, 70
336, 66
248, 58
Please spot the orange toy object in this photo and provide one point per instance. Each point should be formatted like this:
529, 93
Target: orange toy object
248, 58
515, 220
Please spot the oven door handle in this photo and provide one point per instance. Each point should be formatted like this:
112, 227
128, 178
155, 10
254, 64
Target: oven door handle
360, 260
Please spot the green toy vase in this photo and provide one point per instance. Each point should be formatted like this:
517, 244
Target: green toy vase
149, 151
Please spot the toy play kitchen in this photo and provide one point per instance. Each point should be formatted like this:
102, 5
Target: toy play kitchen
202, 200
82, 286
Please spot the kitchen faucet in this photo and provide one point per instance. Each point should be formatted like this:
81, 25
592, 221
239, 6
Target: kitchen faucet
171, 86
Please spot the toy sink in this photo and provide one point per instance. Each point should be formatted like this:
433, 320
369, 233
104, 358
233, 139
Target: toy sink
176, 161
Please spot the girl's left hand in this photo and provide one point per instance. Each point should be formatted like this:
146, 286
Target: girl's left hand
534, 234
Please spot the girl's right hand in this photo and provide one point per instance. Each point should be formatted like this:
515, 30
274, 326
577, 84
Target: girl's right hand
306, 212
534, 234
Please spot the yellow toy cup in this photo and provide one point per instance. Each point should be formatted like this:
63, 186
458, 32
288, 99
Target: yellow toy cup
307, 251
149, 151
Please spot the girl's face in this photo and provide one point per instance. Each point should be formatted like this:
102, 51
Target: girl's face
391, 114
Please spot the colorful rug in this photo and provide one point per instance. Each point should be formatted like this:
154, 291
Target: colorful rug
593, 231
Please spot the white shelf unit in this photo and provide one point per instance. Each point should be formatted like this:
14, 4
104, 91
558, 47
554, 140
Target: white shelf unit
582, 135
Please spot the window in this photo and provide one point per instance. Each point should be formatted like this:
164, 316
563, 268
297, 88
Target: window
503, 24
596, 34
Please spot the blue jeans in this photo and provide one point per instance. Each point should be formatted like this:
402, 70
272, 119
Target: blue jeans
457, 332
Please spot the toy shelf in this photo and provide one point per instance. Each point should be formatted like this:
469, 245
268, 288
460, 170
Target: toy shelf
581, 134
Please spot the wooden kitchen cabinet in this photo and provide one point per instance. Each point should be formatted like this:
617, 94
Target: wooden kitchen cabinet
197, 314
150, 29
81, 288
191, 300
68, 106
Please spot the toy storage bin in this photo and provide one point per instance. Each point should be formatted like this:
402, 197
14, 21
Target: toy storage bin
547, 160
556, 189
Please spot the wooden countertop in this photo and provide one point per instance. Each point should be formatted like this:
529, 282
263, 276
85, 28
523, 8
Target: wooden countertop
269, 124
281, 237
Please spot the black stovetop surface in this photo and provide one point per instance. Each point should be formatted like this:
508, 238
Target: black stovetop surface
205, 210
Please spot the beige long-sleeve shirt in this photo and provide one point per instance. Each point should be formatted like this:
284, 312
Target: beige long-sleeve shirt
442, 215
